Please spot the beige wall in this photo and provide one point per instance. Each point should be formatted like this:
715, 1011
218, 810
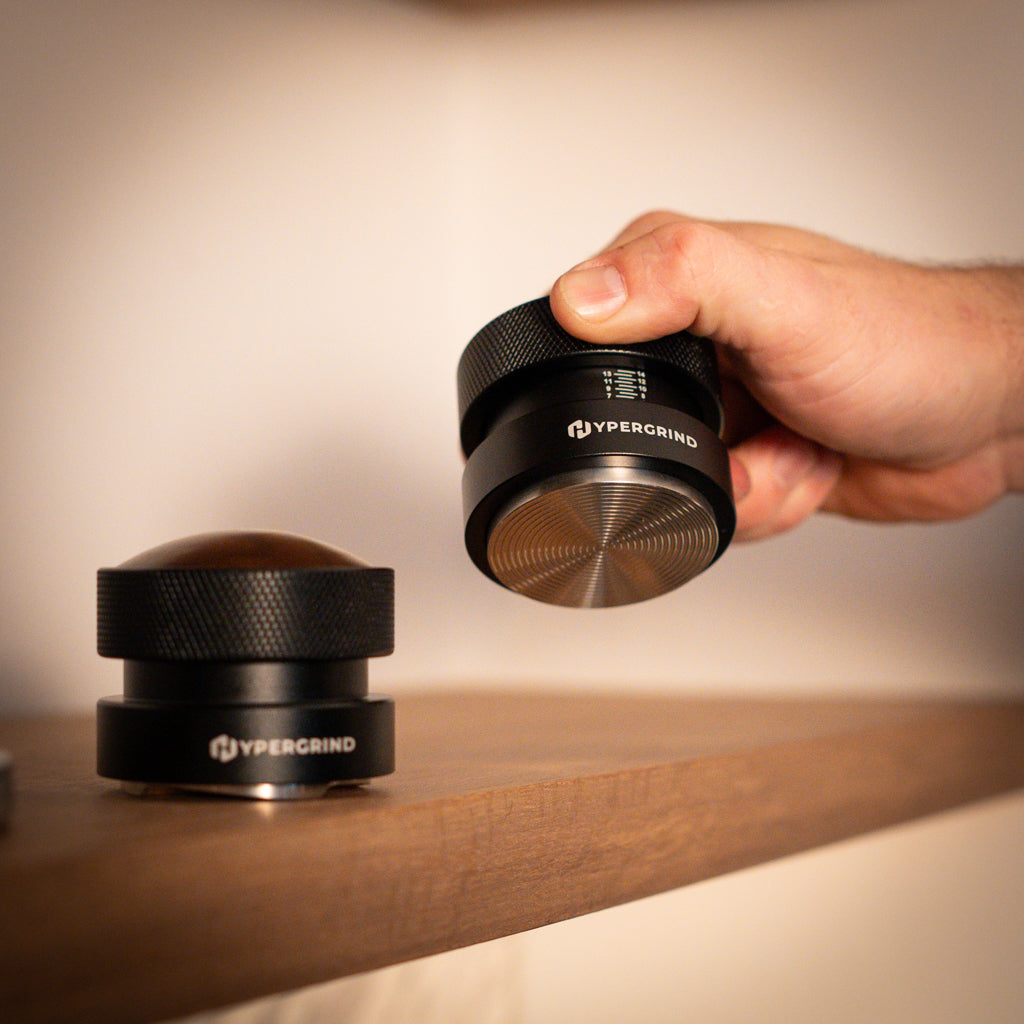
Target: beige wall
245, 242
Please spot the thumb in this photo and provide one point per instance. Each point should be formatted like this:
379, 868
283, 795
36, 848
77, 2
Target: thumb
681, 275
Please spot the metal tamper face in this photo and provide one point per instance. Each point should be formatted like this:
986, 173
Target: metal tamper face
245, 667
602, 537
595, 476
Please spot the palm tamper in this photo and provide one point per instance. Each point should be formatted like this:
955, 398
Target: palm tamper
595, 475
245, 667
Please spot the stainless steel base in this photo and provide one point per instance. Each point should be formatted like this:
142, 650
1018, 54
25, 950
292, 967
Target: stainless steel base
258, 791
602, 537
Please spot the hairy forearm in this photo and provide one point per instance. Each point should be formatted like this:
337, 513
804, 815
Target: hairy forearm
1009, 285
1000, 292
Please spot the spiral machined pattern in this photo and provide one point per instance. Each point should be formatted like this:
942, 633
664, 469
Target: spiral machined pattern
602, 539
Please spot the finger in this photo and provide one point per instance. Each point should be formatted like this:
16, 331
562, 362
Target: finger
779, 480
796, 241
893, 493
683, 275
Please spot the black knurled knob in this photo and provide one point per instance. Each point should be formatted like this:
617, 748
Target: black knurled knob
255, 596
528, 338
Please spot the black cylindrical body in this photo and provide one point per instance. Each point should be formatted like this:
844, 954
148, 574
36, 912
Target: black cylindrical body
595, 476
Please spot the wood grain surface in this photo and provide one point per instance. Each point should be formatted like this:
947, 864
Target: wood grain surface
508, 811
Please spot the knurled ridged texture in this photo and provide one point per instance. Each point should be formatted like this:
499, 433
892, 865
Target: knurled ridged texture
241, 615
529, 334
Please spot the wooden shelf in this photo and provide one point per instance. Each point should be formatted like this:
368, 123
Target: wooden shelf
508, 812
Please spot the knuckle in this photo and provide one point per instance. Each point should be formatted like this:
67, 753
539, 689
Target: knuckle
683, 252
683, 240
656, 217
650, 221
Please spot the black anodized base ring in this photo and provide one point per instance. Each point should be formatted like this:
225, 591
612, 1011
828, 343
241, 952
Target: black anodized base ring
542, 444
240, 746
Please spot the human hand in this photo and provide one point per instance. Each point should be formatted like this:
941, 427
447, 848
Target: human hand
853, 383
